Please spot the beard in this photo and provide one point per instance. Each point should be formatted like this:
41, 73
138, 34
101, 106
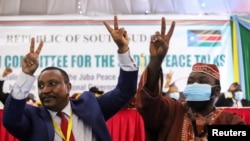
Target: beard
198, 106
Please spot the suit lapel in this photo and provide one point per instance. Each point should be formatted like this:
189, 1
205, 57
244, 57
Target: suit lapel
48, 122
88, 110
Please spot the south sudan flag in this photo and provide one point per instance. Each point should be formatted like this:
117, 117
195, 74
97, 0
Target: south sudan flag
204, 38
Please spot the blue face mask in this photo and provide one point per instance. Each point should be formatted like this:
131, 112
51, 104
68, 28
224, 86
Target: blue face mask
197, 92
175, 95
238, 95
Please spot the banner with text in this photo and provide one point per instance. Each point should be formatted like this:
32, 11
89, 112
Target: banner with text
85, 49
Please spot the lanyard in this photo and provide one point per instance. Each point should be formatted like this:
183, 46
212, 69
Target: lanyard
58, 128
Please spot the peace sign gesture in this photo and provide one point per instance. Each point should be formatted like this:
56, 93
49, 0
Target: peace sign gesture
119, 35
160, 42
31, 61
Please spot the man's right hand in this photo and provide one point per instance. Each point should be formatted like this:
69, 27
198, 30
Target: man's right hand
158, 49
31, 61
159, 43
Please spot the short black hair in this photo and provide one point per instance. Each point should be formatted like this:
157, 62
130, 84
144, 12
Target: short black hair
237, 86
31, 97
94, 89
64, 73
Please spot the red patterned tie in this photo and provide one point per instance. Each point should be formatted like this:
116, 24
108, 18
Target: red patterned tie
64, 126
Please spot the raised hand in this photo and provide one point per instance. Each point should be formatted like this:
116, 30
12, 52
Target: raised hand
169, 75
6, 72
119, 35
31, 61
168, 78
160, 42
158, 49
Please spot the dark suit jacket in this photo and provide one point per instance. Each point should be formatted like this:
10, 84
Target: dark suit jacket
228, 102
29, 123
3, 96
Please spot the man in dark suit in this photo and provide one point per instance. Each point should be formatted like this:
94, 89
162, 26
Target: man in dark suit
86, 114
233, 97
3, 95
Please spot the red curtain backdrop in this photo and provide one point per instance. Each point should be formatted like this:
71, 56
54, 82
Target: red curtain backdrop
244, 112
4, 135
127, 125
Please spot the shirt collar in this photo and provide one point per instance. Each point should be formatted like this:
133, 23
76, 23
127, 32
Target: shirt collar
66, 110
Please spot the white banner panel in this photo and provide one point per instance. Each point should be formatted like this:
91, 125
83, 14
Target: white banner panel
86, 51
